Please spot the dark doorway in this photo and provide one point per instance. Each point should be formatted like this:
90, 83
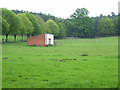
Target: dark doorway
49, 41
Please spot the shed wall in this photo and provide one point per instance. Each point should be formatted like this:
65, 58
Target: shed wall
38, 40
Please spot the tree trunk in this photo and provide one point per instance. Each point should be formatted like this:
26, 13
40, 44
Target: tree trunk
28, 35
22, 37
6, 37
14, 37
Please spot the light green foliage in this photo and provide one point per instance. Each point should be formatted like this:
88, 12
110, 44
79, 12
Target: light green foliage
62, 31
26, 24
44, 27
13, 20
22, 29
62, 28
106, 26
5, 26
39, 67
48, 30
53, 27
37, 27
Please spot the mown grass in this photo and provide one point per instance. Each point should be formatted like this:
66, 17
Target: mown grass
85, 63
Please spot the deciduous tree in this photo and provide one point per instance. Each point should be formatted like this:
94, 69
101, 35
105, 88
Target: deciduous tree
62, 28
53, 27
44, 27
13, 20
106, 27
62, 31
5, 28
27, 24
82, 24
80, 13
37, 27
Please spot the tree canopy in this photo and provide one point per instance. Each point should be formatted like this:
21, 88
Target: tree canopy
26, 23
12, 19
53, 27
62, 28
80, 13
79, 24
37, 27
106, 26
5, 26
82, 24
44, 27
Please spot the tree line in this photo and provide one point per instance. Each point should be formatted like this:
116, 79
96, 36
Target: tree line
15, 22
85, 27
28, 24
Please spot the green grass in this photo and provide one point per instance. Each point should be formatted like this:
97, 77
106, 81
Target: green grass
96, 64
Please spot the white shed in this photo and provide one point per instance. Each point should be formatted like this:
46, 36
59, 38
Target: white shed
49, 39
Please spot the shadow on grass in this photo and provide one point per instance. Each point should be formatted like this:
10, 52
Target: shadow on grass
14, 41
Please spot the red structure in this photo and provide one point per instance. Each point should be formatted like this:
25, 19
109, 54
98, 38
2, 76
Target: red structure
41, 40
38, 40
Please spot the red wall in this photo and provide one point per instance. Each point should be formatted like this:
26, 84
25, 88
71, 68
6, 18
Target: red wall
38, 40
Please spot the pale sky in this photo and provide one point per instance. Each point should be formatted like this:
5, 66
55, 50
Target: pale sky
63, 8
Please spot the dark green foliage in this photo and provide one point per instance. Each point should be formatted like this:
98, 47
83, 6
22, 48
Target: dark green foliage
82, 24
84, 55
96, 21
43, 16
119, 25
80, 13
69, 28
115, 20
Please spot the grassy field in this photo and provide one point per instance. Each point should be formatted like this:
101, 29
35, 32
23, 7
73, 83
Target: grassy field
85, 63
